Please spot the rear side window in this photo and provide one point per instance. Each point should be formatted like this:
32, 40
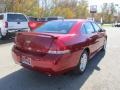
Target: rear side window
1, 17
89, 28
96, 27
83, 30
16, 18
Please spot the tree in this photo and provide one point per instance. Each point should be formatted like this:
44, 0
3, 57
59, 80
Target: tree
82, 9
29, 7
43, 8
108, 11
70, 8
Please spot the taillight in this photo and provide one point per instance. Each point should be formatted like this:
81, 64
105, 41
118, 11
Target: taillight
6, 24
58, 47
15, 40
32, 25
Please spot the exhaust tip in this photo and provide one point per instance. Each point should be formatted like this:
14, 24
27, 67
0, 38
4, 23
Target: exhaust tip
49, 75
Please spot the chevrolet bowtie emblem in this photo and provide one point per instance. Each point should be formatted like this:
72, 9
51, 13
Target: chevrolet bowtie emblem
29, 48
28, 42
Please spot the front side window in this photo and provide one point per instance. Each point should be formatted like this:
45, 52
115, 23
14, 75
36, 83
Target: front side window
16, 18
89, 28
83, 30
96, 27
61, 27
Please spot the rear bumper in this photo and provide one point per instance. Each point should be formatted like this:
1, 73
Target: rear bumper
48, 64
6, 31
13, 32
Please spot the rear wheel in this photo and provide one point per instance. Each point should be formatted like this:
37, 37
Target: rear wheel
2, 37
82, 63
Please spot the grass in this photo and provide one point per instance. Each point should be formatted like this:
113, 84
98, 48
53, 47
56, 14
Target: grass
107, 25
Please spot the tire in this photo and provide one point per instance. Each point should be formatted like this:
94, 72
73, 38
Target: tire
1, 35
81, 67
104, 45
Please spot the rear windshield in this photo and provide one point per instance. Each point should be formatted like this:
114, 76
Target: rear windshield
16, 18
1, 17
60, 27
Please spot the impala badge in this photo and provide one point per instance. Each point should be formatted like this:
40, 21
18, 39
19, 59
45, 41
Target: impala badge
29, 48
28, 42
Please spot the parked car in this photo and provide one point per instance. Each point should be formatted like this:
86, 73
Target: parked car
50, 18
116, 24
33, 23
10, 23
31, 18
59, 46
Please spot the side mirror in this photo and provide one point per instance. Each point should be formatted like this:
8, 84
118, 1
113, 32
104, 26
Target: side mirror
102, 30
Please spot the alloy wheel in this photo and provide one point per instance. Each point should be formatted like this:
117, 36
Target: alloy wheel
83, 62
0, 35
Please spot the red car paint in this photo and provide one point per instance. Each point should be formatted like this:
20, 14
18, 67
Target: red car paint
34, 24
56, 53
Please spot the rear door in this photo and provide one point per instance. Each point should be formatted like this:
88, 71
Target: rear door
92, 37
17, 21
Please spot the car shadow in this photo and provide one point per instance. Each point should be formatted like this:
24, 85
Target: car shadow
24, 79
5, 41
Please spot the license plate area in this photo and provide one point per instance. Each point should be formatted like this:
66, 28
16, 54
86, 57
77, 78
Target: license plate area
26, 60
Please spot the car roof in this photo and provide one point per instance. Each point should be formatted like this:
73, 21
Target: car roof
77, 20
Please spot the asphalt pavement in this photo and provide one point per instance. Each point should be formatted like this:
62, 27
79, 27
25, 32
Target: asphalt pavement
103, 71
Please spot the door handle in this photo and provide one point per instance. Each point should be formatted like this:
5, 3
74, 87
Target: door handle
90, 38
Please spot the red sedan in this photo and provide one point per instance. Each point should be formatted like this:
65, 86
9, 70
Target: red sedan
59, 46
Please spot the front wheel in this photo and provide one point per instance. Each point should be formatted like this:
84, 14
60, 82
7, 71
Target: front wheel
104, 45
1, 35
82, 63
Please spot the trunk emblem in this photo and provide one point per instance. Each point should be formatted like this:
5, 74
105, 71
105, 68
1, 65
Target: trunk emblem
28, 42
29, 48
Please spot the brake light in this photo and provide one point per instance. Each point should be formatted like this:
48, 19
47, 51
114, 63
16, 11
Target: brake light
32, 25
6, 24
58, 47
58, 52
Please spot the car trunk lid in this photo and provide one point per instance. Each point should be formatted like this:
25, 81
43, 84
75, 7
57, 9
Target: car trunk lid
34, 42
